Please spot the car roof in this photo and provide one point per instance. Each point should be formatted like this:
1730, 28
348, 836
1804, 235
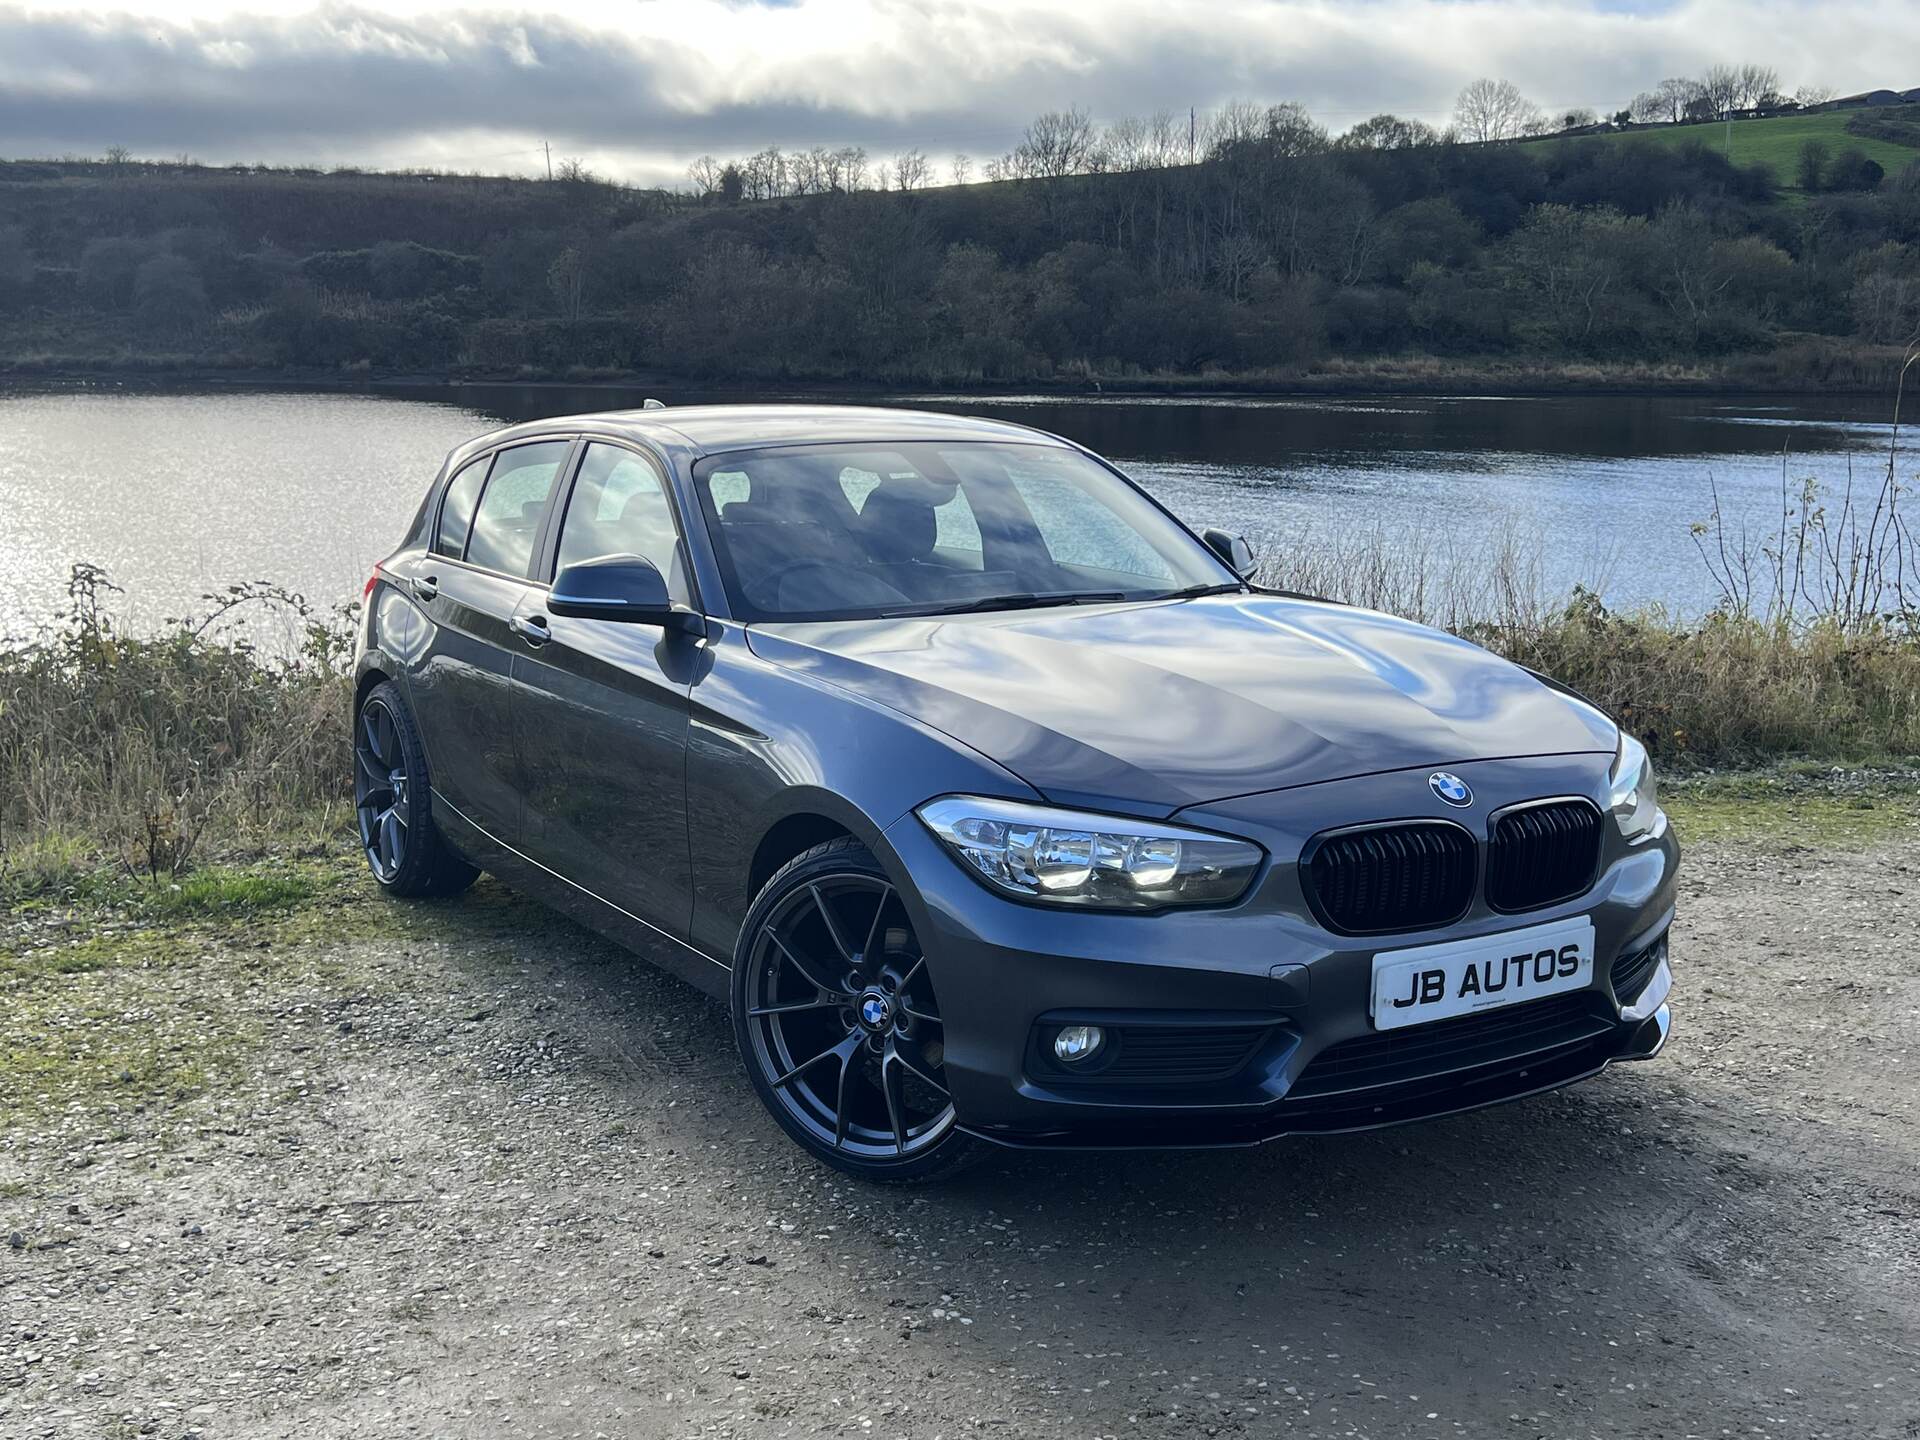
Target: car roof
712, 429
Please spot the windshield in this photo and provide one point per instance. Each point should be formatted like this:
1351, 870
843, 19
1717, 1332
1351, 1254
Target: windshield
827, 532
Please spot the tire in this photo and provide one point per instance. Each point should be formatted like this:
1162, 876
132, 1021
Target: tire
393, 803
837, 1024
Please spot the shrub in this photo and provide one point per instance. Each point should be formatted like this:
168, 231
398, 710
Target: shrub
227, 727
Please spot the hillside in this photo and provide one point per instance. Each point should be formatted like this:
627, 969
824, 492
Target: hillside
1774, 142
1279, 255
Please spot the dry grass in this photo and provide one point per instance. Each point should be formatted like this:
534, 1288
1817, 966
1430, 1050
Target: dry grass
145, 751
1737, 686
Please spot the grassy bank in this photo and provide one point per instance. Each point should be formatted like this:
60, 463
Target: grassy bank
1773, 142
140, 760
1797, 365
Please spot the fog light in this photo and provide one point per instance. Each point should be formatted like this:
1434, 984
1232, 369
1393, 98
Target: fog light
1076, 1043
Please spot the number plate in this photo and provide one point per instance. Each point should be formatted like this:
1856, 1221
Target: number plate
1436, 982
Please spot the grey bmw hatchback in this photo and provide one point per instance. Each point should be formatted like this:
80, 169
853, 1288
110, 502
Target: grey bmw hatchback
998, 805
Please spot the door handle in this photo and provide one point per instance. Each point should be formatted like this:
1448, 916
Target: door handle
425, 587
530, 628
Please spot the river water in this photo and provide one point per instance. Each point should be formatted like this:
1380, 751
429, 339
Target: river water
178, 493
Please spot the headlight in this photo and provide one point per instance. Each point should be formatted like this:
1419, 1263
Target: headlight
1102, 862
1632, 798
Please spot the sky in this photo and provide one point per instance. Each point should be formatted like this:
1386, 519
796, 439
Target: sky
638, 88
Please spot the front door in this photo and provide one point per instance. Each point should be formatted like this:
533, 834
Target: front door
601, 707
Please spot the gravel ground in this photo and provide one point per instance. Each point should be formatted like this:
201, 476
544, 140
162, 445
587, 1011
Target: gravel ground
480, 1174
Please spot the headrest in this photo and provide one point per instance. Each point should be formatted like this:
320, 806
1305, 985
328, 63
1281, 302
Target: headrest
918, 488
897, 522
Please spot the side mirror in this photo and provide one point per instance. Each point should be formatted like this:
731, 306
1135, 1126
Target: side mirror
627, 588
1234, 550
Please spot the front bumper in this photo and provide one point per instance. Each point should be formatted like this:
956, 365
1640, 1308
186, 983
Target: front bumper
1251, 1022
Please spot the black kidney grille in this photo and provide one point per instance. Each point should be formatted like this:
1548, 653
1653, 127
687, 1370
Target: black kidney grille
1392, 877
1542, 854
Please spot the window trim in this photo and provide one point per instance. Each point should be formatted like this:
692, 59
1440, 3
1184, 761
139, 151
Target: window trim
549, 555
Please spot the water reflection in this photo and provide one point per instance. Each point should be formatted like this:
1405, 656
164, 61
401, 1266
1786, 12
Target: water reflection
179, 493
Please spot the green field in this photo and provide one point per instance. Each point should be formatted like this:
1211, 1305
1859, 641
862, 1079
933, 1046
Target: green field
1774, 143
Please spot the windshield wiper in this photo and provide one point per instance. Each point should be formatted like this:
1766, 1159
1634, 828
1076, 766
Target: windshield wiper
1194, 592
1024, 600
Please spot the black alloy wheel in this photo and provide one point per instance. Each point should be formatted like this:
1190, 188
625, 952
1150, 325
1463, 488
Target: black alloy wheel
392, 802
837, 1020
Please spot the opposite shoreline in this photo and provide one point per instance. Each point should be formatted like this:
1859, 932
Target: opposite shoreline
1480, 382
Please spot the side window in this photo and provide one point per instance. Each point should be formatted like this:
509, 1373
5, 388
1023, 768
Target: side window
620, 507
511, 506
856, 485
957, 532
456, 511
1079, 528
728, 487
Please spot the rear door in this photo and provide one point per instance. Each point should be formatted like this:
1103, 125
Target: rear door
488, 531
601, 707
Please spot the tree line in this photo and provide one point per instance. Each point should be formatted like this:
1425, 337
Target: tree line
1251, 242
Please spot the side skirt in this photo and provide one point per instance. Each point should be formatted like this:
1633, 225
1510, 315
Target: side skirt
673, 955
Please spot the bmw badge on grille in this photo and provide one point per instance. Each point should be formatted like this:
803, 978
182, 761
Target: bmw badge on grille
1450, 788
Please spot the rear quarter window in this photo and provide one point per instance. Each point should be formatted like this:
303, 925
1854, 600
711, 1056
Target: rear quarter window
456, 511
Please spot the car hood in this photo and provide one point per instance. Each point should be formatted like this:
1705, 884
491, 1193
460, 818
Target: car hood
1167, 704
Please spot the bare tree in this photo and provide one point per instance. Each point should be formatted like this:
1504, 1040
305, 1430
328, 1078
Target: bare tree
1490, 110
1388, 132
912, 170
764, 176
806, 171
1166, 140
1576, 119
1125, 143
1720, 87
962, 169
1757, 83
1669, 99
705, 175
567, 279
1232, 123
1809, 95
1056, 143
1289, 131
852, 167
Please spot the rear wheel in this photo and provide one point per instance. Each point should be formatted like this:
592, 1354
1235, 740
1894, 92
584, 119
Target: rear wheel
837, 1021
393, 803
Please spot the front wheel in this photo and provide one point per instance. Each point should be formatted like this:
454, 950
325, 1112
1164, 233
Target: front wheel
393, 803
836, 1019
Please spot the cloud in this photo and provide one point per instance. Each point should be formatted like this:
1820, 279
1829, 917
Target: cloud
639, 88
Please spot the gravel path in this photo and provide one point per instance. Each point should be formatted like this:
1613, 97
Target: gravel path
513, 1184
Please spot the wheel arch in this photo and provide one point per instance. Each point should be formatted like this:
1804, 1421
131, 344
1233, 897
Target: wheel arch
807, 817
369, 670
